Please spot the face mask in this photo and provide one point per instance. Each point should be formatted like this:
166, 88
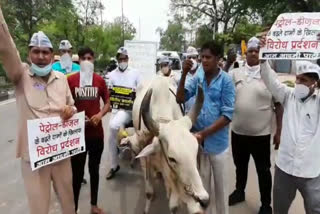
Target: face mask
123, 66
86, 73
41, 72
66, 62
195, 64
301, 91
165, 70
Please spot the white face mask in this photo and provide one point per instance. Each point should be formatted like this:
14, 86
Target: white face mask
301, 91
165, 70
123, 66
195, 64
66, 62
86, 73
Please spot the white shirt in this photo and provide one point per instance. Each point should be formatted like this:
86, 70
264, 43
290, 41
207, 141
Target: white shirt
253, 106
299, 152
130, 78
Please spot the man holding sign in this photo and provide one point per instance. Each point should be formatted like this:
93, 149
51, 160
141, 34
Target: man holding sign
40, 93
122, 83
87, 88
297, 164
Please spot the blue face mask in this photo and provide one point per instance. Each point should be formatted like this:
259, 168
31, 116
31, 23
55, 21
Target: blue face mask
41, 72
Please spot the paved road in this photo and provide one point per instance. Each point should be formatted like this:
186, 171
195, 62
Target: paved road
123, 195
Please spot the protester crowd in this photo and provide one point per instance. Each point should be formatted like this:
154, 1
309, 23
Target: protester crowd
247, 95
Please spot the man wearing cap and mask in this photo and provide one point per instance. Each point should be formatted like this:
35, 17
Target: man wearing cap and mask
40, 93
87, 88
65, 65
297, 163
123, 76
193, 55
165, 66
254, 107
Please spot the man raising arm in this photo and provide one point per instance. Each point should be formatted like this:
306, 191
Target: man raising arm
212, 124
40, 93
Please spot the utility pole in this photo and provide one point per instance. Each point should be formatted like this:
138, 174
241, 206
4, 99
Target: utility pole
122, 23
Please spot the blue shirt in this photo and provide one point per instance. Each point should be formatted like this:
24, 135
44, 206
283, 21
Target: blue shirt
57, 67
219, 98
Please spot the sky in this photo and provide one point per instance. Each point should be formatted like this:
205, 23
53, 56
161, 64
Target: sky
152, 14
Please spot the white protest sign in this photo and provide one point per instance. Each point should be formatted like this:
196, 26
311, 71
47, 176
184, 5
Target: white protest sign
142, 56
293, 36
51, 139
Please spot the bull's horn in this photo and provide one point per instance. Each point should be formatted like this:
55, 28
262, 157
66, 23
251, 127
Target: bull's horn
150, 123
196, 108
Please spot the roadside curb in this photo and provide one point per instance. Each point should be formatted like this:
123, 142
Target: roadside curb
12, 100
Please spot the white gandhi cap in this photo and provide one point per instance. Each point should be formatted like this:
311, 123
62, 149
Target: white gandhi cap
307, 67
164, 59
65, 45
192, 51
253, 42
40, 40
123, 51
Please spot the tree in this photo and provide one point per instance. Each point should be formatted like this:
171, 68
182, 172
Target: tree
25, 16
61, 19
106, 40
270, 10
173, 38
66, 25
30, 13
217, 12
90, 11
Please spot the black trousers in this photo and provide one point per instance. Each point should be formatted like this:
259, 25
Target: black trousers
259, 147
94, 148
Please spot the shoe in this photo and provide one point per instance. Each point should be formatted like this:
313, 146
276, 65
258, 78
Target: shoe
84, 181
236, 197
112, 172
265, 209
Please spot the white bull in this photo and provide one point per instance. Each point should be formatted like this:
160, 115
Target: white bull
173, 152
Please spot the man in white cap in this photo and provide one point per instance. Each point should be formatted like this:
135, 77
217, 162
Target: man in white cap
66, 65
297, 164
254, 107
165, 66
40, 93
123, 77
192, 55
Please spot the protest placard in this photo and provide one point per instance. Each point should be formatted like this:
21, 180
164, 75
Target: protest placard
293, 36
142, 57
52, 139
122, 97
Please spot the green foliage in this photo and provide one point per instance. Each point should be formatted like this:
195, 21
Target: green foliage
173, 38
203, 35
245, 30
61, 19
